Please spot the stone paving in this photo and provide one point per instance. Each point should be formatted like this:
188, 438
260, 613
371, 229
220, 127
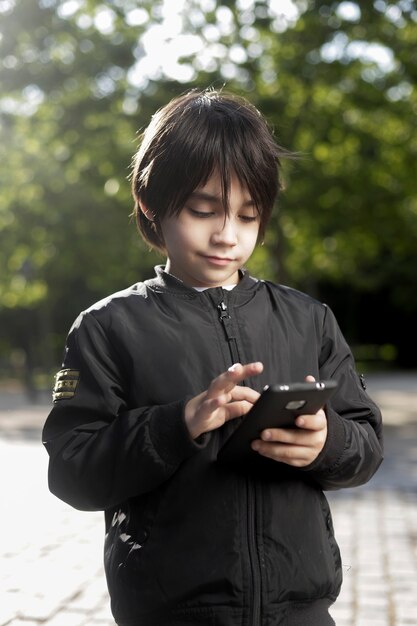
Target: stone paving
51, 555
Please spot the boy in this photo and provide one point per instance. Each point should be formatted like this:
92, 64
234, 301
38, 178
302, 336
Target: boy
153, 381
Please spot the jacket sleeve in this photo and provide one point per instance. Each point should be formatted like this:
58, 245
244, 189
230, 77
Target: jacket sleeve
354, 445
102, 451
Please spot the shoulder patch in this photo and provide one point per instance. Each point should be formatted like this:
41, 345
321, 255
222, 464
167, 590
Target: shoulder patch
66, 382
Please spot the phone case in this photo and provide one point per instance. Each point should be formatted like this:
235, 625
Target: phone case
277, 407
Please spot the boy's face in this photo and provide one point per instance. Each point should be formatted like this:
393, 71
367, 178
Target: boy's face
205, 248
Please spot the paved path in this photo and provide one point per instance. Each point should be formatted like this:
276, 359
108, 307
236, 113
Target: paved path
51, 555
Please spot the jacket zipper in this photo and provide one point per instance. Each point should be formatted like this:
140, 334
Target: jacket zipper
255, 609
226, 321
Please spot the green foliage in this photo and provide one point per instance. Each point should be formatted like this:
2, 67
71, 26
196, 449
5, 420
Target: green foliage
74, 93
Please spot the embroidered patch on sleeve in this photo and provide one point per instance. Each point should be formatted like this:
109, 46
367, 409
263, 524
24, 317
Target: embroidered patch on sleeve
66, 382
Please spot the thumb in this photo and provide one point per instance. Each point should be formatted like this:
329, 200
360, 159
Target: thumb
310, 379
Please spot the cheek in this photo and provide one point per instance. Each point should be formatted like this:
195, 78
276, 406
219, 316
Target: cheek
195, 233
249, 239
174, 236
185, 240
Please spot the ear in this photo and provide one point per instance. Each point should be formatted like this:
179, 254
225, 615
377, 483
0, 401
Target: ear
146, 212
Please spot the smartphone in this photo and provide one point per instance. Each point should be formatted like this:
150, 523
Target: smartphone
277, 407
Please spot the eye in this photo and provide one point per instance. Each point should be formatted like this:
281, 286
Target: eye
200, 214
248, 218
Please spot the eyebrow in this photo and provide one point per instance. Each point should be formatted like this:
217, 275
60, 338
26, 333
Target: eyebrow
215, 199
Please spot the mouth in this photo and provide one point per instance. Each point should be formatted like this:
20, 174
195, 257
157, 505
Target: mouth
218, 260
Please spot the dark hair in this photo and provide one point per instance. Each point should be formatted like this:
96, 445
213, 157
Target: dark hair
191, 137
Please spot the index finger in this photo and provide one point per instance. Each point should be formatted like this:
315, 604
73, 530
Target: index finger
234, 375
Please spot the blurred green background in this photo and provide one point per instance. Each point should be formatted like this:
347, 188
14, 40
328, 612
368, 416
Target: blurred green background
80, 78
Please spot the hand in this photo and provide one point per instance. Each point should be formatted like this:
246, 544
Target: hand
225, 399
295, 446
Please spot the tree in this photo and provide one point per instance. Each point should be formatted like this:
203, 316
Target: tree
336, 80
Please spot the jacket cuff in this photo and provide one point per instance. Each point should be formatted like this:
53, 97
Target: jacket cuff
333, 449
169, 434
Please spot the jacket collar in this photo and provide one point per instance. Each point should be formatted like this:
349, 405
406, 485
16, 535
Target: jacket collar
167, 283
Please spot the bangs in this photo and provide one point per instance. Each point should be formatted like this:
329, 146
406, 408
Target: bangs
226, 141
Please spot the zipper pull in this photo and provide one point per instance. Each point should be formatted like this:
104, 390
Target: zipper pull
223, 311
226, 320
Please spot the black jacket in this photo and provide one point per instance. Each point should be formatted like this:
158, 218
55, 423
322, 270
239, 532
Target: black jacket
190, 541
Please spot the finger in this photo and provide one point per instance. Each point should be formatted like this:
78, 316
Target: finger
297, 456
310, 379
312, 422
239, 372
234, 375
290, 436
244, 393
279, 435
237, 409
295, 436
238, 402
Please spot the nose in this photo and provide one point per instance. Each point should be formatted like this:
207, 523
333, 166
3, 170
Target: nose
226, 233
